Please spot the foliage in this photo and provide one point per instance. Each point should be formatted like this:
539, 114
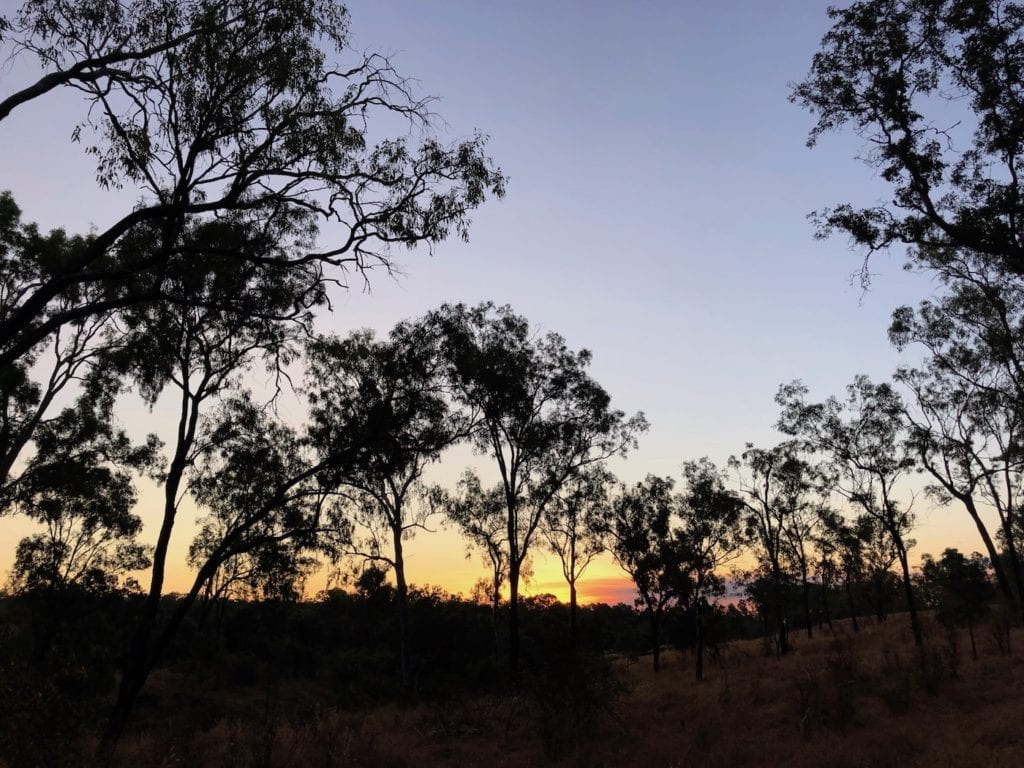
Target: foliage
254, 111
539, 414
933, 88
638, 528
957, 586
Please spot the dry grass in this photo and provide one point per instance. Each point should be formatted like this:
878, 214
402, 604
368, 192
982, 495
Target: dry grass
844, 700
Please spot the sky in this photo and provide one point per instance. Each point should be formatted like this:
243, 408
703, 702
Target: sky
659, 186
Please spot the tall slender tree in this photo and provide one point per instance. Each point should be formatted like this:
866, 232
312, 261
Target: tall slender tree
386, 399
639, 528
773, 482
542, 418
862, 439
711, 530
570, 526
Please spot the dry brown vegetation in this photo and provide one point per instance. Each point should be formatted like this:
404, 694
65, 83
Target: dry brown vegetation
845, 700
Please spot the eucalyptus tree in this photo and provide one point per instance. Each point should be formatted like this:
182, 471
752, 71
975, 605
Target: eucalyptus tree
798, 540
933, 87
265, 497
30, 386
775, 483
196, 354
258, 110
481, 516
967, 424
570, 528
880, 555
639, 530
387, 400
541, 417
838, 538
863, 442
958, 588
78, 484
710, 528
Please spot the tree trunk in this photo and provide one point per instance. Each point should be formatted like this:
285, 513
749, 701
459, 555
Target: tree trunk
1015, 563
655, 638
995, 559
908, 589
699, 645
780, 613
513, 618
572, 615
852, 604
805, 589
140, 656
402, 593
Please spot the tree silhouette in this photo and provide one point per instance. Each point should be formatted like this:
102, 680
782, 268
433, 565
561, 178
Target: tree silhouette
570, 528
777, 483
386, 400
30, 386
711, 530
965, 429
78, 484
541, 418
863, 442
482, 517
933, 88
199, 352
253, 110
638, 527
958, 588
838, 539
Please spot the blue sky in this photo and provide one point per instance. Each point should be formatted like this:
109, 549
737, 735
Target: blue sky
656, 210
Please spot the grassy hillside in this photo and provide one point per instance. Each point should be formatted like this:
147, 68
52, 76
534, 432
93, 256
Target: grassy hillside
844, 700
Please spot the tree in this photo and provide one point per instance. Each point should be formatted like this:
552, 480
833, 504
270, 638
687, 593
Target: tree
638, 527
966, 427
777, 484
200, 352
569, 527
252, 110
862, 439
958, 587
78, 484
710, 529
798, 537
265, 500
836, 537
30, 386
542, 418
386, 399
934, 89
481, 516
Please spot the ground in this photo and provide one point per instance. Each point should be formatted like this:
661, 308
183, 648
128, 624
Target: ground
843, 699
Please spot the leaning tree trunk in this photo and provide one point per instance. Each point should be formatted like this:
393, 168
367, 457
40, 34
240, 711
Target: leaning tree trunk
1015, 563
140, 657
993, 555
908, 590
